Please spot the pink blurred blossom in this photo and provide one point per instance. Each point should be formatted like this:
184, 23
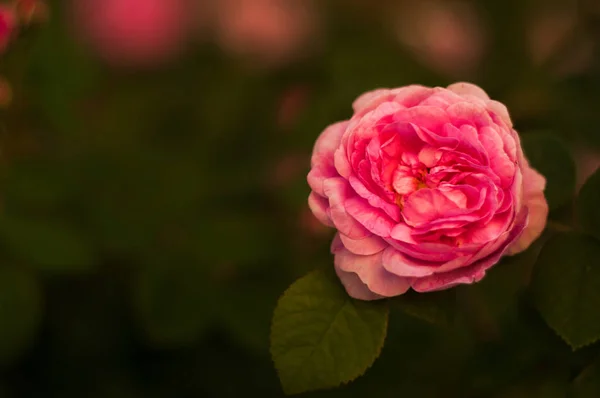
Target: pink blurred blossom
549, 34
8, 26
446, 36
133, 32
269, 31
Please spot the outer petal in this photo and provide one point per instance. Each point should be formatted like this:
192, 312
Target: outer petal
320, 208
327, 143
371, 272
474, 272
399, 264
407, 96
500, 109
366, 246
535, 201
322, 160
355, 287
365, 99
447, 280
464, 88
339, 192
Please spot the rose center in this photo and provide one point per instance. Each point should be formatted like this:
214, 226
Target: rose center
408, 179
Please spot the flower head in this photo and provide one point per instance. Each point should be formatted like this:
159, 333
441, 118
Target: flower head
427, 187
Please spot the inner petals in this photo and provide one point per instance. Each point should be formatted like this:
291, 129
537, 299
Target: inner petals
426, 205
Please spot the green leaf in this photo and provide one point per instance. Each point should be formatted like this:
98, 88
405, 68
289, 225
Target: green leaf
321, 338
172, 304
588, 205
46, 245
549, 155
587, 383
566, 287
20, 312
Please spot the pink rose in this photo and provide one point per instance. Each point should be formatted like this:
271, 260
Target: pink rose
427, 187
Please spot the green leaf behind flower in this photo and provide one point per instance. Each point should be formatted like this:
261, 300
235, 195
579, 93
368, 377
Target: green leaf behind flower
588, 205
321, 338
549, 156
566, 287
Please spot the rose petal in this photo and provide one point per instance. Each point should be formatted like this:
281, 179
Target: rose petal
426, 205
364, 247
365, 99
399, 264
355, 287
322, 159
319, 207
468, 275
371, 272
469, 113
468, 88
500, 109
538, 210
339, 191
424, 117
373, 219
327, 143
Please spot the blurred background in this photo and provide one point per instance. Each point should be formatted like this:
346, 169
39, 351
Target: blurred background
154, 158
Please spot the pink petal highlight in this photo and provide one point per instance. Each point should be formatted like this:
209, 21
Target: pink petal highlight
536, 202
374, 220
399, 264
365, 99
355, 287
327, 143
436, 282
319, 207
463, 88
365, 246
371, 272
339, 191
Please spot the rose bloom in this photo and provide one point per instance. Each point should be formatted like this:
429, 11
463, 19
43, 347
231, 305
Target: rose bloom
427, 187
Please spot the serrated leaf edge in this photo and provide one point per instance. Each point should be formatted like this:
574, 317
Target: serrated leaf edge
574, 347
350, 301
